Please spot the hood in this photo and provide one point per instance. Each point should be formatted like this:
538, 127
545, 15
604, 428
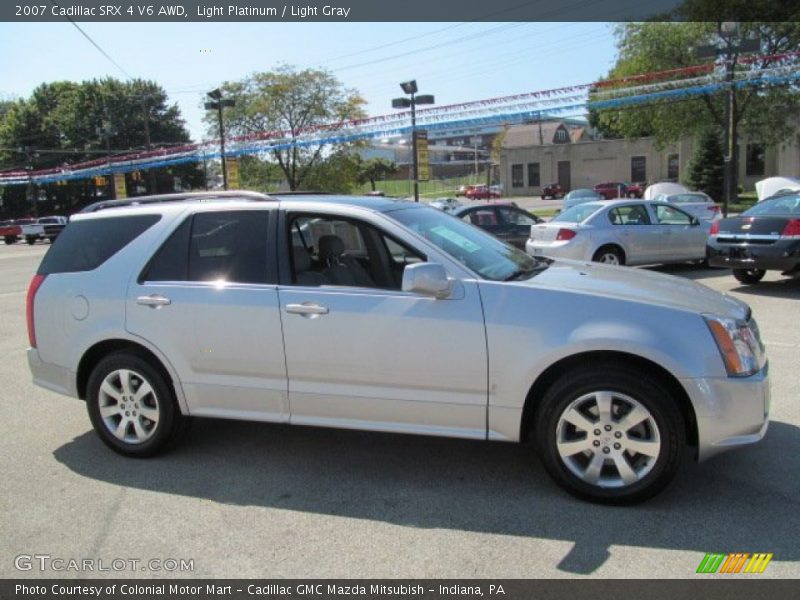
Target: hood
637, 285
771, 185
666, 188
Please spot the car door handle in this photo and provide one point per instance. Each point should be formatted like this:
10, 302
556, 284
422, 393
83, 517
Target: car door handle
307, 309
153, 301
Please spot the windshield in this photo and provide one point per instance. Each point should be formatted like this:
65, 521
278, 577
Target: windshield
577, 214
782, 205
683, 198
472, 247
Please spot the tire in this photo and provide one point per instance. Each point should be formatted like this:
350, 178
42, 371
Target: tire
10, 240
620, 463
30, 240
158, 422
749, 276
609, 255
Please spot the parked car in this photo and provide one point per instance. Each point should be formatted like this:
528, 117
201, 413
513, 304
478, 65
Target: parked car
506, 222
462, 190
52, 227
697, 204
31, 230
481, 192
610, 372
554, 191
612, 189
10, 232
635, 190
446, 204
621, 232
763, 238
580, 196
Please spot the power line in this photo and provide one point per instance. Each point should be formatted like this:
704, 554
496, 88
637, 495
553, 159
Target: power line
93, 43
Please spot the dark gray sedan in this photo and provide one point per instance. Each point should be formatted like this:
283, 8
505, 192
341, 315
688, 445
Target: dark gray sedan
507, 222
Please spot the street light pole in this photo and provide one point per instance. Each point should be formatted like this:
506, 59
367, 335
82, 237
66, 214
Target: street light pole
410, 88
218, 104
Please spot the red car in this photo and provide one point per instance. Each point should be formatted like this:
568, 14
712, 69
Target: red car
636, 190
611, 190
10, 232
480, 192
553, 190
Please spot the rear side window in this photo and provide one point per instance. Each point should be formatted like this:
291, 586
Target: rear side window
85, 245
226, 246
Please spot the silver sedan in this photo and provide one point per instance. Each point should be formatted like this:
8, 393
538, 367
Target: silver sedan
621, 232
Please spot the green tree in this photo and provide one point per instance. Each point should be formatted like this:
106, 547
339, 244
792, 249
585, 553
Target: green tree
375, 169
705, 170
335, 173
285, 104
65, 122
762, 112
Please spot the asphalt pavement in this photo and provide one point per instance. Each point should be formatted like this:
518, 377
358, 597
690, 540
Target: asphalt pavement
260, 500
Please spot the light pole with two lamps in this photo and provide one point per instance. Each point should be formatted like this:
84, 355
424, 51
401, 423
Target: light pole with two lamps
218, 104
410, 87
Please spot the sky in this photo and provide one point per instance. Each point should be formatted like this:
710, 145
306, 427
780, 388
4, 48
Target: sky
456, 62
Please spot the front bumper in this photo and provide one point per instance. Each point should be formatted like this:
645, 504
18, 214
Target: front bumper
731, 411
50, 376
783, 255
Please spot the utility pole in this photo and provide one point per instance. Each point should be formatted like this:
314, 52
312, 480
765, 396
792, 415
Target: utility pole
218, 104
730, 51
410, 87
151, 175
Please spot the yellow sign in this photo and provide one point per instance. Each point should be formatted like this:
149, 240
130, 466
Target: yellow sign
423, 165
119, 186
233, 173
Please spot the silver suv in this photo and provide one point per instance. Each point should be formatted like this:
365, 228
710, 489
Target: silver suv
385, 315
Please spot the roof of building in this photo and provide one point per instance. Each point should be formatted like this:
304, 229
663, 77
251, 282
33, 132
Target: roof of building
521, 136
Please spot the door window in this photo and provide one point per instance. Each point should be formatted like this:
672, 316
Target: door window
629, 215
515, 217
225, 246
668, 215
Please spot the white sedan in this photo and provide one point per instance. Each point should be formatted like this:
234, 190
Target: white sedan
697, 204
622, 232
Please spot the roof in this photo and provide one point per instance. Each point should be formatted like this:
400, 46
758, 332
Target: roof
523, 136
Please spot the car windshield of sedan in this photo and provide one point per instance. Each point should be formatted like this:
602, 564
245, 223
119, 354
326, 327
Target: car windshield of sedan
577, 214
472, 247
781, 205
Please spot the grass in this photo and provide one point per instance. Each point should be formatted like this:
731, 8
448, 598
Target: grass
436, 188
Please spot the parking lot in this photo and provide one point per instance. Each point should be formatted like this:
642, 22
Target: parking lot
260, 500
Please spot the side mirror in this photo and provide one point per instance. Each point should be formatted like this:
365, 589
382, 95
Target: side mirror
427, 279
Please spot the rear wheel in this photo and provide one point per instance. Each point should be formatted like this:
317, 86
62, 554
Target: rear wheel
10, 240
749, 275
610, 435
31, 240
609, 255
132, 406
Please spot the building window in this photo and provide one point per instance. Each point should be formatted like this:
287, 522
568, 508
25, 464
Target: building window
673, 167
638, 168
516, 176
561, 136
755, 160
533, 175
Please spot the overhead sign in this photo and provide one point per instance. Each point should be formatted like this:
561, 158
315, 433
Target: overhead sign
423, 163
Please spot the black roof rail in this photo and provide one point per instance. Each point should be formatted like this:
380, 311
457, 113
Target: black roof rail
179, 197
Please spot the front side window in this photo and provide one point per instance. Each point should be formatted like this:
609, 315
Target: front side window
515, 217
668, 215
483, 217
329, 250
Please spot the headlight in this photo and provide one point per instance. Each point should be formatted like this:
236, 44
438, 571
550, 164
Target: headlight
738, 344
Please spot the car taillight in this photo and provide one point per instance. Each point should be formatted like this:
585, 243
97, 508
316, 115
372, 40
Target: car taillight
36, 282
792, 228
714, 228
565, 234
714, 208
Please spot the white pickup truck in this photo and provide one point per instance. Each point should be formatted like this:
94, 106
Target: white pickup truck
32, 230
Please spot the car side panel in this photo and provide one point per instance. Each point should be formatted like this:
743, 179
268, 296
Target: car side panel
528, 330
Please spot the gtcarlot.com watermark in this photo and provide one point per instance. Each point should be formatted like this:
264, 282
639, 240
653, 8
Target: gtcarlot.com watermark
58, 564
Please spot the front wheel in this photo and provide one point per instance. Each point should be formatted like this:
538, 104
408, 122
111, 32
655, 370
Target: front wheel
10, 240
610, 435
132, 406
31, 240
749, 275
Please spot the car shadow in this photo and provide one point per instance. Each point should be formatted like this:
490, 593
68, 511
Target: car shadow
741, 501
788, 288
690, 271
